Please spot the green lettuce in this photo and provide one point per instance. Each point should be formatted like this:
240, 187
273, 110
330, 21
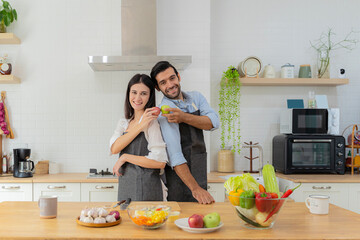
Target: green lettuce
244, 181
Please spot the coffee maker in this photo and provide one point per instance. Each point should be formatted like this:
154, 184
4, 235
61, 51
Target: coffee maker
22, 165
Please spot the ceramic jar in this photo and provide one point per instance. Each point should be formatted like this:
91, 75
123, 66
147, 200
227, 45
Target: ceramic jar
287, 71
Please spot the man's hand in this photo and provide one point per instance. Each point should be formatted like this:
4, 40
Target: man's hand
202, 196
177, 116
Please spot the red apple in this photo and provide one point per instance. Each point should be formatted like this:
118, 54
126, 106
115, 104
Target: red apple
196, 221
156, 111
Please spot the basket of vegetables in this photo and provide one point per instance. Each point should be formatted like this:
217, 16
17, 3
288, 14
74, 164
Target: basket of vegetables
257, 206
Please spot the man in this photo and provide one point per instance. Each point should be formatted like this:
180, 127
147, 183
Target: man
182, 130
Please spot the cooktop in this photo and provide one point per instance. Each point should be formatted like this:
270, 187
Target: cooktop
93, 173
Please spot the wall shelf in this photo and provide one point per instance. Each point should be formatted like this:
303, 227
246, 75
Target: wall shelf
293, 81
9, 79
9, 38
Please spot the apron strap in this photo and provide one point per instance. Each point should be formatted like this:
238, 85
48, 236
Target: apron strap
193, 104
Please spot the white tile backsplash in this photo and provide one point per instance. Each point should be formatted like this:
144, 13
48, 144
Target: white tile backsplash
65, 112
279, 32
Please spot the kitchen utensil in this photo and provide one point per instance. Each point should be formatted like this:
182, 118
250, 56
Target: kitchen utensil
125, 204
305, 71
250, 67
269, 71
48, 206
252, 218
98, 225
149, 217
118, 203
318, 204
287, 71
184, 225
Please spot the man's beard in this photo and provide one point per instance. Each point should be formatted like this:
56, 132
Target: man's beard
177, 95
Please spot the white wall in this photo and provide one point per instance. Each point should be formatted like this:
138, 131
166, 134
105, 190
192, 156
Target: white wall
63, 110
66, 112
279, 32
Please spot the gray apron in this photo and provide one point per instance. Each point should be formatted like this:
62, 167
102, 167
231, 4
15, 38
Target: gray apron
194, 151
138, 183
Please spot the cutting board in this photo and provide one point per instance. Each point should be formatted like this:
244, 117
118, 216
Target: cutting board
174, 205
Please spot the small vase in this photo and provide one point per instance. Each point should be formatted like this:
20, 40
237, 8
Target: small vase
2, 27
225, 161
325, 72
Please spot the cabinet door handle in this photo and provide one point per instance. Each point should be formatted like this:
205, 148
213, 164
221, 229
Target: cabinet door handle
322, 188
103, 187
56, 187
10, 187
208, 187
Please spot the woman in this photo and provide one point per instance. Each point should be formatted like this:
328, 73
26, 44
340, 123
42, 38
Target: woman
138, 139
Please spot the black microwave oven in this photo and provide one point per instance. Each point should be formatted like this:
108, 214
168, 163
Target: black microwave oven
315, 153
304, 121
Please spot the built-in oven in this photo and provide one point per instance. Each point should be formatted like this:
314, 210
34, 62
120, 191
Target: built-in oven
309, 153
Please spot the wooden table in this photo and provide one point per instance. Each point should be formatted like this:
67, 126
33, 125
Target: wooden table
19, 220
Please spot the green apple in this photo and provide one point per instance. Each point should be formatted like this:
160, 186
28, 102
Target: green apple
164, 107
211, 220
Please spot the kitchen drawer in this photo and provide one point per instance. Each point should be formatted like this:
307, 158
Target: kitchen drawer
99, 192
15, 192
66, 192
338, 192
217, 191
354, 197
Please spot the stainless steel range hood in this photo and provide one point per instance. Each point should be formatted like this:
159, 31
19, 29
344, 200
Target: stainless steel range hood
138, 41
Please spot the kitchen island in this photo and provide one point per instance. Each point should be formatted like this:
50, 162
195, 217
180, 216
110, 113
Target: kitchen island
20, 220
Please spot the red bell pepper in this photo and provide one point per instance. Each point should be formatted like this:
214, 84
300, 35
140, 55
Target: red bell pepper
278, 206
263, 202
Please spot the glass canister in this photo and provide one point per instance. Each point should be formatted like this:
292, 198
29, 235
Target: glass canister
226, 160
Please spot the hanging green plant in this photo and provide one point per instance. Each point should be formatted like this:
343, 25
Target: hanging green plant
229, 109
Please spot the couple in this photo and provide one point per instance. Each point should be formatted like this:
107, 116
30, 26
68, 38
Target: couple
141, 145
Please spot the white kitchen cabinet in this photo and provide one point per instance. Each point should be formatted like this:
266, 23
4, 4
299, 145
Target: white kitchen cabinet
217, 191
15, 192
66, 192
354, 197
338, 192
99, 192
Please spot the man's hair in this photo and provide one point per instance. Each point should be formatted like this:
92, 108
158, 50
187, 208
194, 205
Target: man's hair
158, 68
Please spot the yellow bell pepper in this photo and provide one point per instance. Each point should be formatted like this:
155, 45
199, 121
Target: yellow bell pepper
234, 197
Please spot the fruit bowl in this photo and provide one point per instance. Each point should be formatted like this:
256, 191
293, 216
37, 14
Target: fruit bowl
149, 216
257, 215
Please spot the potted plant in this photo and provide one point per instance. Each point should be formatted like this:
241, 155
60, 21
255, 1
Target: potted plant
7, 15
229, 112
324, 45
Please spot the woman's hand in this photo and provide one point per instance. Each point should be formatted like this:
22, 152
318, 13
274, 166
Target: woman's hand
148, 116
118, 165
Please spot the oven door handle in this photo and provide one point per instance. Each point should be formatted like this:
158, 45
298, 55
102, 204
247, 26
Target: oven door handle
311, 140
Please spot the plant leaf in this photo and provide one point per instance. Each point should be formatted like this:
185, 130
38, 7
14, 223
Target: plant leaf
6, 4
7, 20
15, 14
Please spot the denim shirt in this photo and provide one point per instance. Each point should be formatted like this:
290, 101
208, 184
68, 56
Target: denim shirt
193, 101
